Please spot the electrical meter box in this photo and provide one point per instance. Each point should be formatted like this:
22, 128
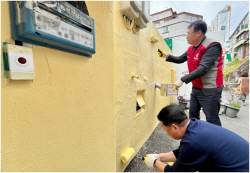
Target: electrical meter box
131, 9
54, 24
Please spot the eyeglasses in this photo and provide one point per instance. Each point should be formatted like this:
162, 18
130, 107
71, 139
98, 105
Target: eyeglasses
188, 34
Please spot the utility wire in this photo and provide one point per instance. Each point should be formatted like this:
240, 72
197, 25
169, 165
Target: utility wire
174, 5
237, 14
225, 15
244, 5
231, 17
234, 15
235, 26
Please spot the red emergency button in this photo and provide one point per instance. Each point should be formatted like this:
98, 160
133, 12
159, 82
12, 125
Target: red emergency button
22, 60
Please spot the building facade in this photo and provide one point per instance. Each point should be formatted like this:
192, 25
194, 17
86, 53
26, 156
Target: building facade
238, 43
222, 22
171, 24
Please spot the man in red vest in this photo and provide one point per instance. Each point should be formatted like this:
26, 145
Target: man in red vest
204, 59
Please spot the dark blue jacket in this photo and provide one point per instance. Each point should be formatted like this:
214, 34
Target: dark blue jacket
210, 148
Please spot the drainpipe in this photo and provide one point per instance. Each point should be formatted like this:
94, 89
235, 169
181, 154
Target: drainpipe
173, 79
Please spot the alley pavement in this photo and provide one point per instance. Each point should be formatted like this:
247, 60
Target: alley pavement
160, 142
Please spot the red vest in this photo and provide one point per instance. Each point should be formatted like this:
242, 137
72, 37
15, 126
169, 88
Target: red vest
214, 77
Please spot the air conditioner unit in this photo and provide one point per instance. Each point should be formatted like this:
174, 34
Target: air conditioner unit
138, 10
130, 9
137, 5
141, 22
144, 15
146, 11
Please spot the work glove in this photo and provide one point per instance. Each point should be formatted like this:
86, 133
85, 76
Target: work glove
178, 84
150, 159
162, 54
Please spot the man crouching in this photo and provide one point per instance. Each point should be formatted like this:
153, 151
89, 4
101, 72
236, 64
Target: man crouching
203, 146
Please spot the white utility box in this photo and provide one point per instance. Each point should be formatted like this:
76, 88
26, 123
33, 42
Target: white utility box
130, 9
138, 10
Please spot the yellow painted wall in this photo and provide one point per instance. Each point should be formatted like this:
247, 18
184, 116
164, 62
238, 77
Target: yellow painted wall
135, 53
79, 114
63, 120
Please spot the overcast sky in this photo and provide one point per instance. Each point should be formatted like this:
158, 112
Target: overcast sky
208, 9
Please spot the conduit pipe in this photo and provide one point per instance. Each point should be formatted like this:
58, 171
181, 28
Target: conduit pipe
173, 79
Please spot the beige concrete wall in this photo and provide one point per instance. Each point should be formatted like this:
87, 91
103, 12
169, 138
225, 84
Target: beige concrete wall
64, 119
135, 53
79, 114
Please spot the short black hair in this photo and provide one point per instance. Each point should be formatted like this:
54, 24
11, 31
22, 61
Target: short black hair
172, 114
199, 25
244, 74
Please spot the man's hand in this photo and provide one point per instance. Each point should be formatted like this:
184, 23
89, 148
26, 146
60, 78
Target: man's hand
162, 54
149, 160
178, 84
